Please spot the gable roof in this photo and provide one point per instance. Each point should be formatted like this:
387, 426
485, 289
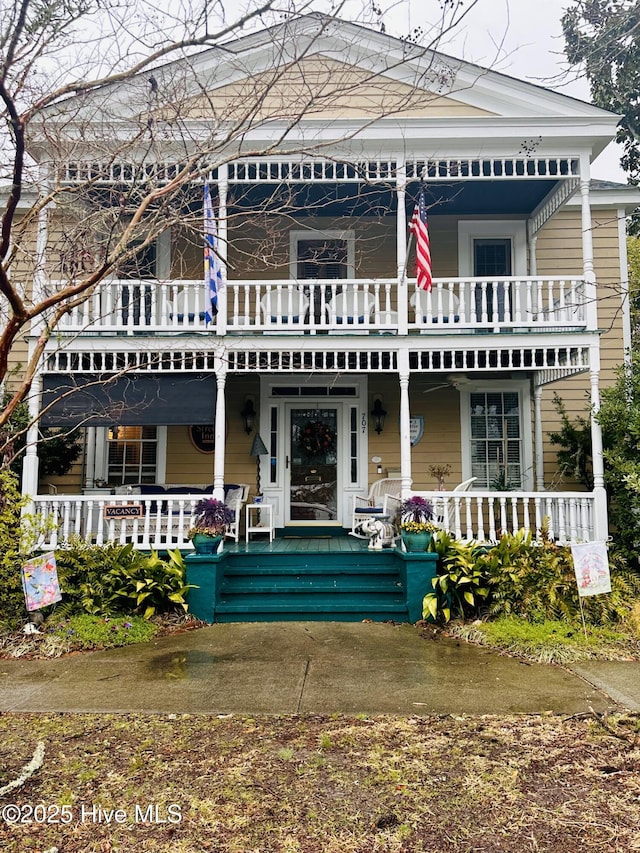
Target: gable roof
459, 97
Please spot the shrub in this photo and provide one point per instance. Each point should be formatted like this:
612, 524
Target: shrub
461, 583
12, 605
520, 577
109, 579
536, 580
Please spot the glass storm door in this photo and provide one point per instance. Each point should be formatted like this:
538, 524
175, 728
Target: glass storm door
492, 258
313, 465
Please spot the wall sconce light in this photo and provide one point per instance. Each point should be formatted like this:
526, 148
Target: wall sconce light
378, 414
248, 415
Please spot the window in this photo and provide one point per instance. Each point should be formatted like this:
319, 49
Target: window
321, 254
322, 259
140, 265
132, 455
491, 257
496, 440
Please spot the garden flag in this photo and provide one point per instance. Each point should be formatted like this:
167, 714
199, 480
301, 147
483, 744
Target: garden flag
591, 566
40, 582
212, 268
423, 250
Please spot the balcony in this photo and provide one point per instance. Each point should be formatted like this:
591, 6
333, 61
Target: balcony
355, 306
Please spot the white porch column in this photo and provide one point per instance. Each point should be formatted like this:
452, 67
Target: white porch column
42, 236
405, 417
588, 269
219, 429
533, 256
538, 442
401, 248
624, 283
222, 246
31, 462
90, 457
601, 522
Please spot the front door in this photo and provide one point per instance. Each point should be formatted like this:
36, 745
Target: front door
312, 465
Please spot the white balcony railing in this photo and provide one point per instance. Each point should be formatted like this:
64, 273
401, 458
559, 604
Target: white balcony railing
165, 521
347, 305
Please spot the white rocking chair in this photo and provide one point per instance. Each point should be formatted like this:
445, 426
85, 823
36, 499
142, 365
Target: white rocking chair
375, 504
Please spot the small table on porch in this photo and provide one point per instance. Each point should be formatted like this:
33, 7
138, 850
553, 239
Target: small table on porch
263, 523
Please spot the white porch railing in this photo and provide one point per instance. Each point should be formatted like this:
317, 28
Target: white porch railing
164, 523
360, 305
166, 520
485, 516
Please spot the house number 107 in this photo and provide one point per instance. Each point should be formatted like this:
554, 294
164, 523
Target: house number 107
364, 423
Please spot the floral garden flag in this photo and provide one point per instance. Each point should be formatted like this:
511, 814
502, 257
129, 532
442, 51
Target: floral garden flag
591, 565
40, 582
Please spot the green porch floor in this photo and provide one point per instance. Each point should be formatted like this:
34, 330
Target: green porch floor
297, 543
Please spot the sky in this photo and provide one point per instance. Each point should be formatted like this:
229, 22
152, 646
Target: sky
522, 38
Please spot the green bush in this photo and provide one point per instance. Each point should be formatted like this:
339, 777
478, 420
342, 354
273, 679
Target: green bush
537, 580
619, 417
106, 579
12, 605
461, 582
520, 577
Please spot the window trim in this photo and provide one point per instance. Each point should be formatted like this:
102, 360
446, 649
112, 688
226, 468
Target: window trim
523, 388
296, 237
498, 229
101, 462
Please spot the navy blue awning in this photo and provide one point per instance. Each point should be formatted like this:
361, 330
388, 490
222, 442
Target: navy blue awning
130, 400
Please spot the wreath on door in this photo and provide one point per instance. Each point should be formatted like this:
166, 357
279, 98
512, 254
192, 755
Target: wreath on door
316, 438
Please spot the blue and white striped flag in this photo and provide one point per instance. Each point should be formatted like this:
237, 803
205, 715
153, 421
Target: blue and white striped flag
212, 269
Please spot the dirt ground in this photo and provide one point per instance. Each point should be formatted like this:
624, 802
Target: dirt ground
317, 784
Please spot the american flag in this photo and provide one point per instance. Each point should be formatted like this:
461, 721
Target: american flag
212, 269
423, 250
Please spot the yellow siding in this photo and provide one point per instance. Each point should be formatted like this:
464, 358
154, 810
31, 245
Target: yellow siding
320, 87
560, 253
259, 245
440, 443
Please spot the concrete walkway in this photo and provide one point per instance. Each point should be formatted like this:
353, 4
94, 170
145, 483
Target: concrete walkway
306, 667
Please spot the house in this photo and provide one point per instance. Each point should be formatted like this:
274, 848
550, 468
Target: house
323, 345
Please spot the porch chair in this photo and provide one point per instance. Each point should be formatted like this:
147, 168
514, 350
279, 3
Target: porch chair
235, 497
185, 308
376, 503
284, 306
464, 486
421, 301
351, 308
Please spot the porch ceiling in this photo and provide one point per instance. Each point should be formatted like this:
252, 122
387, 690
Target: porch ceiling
455, 198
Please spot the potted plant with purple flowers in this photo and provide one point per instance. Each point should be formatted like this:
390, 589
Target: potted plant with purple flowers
416, 526
210, 521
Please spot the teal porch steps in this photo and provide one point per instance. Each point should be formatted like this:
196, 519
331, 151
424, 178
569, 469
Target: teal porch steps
333, 580
311, 586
